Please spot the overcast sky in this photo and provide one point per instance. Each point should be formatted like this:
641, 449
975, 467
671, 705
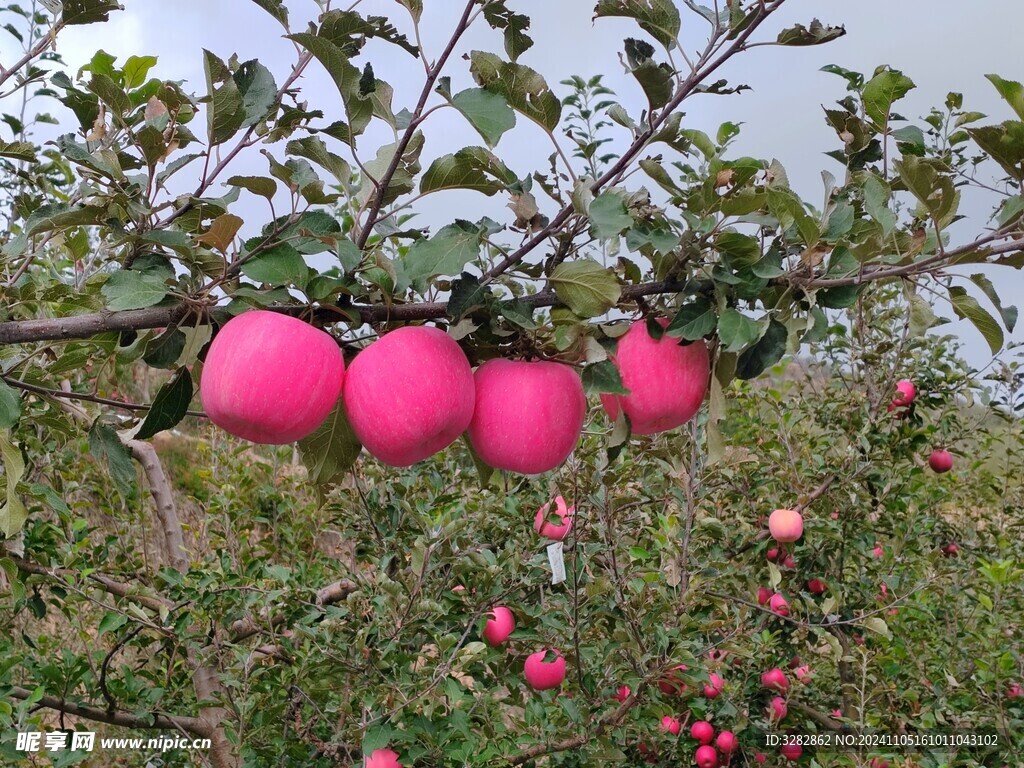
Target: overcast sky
943, 45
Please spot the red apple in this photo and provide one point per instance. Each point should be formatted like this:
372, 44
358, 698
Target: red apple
777, 709
816, 587
775, 679
803, 674
672, 684
497, 630
671, 725
383, 758
647, 752
760, 758
270, 378
879, 762
714, 687
877, 551
551, 530
763, 595
409, 394
706, 757
897, 411
666, 380
702, 732
951, 550
542, 675
788, 562
529, 415
779, 605
1014, 691
622, 693
727, 742
837, 713
940, 461
791, 751
905, 392
772, 555
785, 525
716, 654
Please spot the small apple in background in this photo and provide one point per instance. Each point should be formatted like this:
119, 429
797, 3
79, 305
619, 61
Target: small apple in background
550, 530
727, 742
879, 762
795, 662
786, 525
670, 725
951, 550
702, 732
383, 758
791, 751
816, 587
777, 709
270, 378
877, 551
940, 461
622, 693
1014, 691
837, 713
714, 687
528, 415
772, 555
543, 675
666, 380
788, 562
763, 595
779, 605
706, 757
671, 684
497, 629
803, 674
647, 752
760, 758
775, 679
409, 394
905, 392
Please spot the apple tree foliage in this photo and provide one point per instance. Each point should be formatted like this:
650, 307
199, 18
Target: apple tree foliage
297, 606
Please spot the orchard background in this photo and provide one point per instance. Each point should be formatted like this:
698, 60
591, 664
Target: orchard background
307, 604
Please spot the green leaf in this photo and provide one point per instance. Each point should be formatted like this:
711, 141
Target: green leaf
77, 12
737, 331
1005, 144
224, 111
170, 405
765, 353
10, 406
164, 350
275, 8
489, 113
280, 264
258, 91
313, 149
967, 307
484, 472
466, 296
882, 91
415, 8
876, 201
608, 216
603, 377
128, 289
135, 70
111, 622
446, 253
471, 168
658, 18
587, 288
346, 77
816, 34
787, 208
1012, 91
693, 321
922, 317
331, 450
21, 151
263, 186
656, 81
935, 190
107, 448
524, 89
13, 513
514, 25
1008, 313
519, 313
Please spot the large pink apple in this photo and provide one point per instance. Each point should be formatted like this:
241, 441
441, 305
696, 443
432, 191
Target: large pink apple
383, 758
785, 525
702, 732
940, 461
791, 751
670, 725
775, 679
905, 392
409, 394
529, 414
666, 380
706, 757
500, 626
550, 530
542, 675
271, 378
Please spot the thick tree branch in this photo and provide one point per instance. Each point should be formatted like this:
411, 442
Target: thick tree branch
166, 512
126, 719
108, 584
332, 593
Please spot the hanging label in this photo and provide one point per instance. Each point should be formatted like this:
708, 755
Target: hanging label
557, 560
